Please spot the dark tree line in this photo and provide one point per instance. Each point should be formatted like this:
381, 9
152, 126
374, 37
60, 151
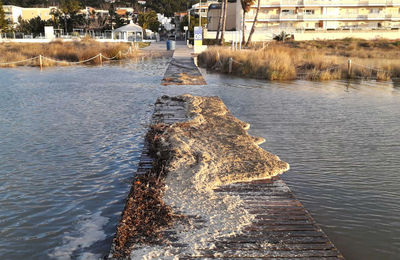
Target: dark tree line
167, 7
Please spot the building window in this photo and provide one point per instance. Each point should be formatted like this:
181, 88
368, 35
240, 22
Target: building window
287, 11
374, 11
351, 11
309, 12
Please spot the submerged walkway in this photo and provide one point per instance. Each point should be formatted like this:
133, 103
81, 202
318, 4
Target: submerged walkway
157, 49
281, 228
182, 70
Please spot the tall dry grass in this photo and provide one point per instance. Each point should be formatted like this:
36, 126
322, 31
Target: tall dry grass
59, 50
313, 60
273, 64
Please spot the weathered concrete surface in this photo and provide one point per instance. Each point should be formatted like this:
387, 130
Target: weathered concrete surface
182, 70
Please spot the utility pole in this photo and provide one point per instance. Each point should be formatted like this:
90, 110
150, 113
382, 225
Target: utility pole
189, 23
200, 13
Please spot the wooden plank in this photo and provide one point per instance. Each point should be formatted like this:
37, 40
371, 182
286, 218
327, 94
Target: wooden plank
281, 217
270, 253
271, 258
281, 228
281, 211
257, 238
280, 222
277, 247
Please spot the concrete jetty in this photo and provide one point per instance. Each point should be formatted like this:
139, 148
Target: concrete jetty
275, 224
182, 69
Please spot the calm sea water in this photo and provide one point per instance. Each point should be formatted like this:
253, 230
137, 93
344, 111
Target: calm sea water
70, 139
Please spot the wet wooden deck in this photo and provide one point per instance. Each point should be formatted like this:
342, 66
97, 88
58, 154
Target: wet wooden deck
182, 69
282, 228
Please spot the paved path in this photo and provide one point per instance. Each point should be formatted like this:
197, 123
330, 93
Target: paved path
156, 46
156, 50
182, 70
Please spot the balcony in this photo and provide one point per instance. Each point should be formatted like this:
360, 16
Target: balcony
288, 17
302, 3
394, 17
319, 17
377, 16
291, 2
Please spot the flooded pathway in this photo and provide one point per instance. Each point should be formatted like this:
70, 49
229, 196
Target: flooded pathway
71, 139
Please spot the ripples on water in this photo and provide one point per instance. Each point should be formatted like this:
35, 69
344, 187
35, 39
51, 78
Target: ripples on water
343, 144
71, 139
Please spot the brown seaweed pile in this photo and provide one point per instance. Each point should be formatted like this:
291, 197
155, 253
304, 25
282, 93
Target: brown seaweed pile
145, 215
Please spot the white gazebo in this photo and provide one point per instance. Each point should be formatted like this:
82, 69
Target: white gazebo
130, 32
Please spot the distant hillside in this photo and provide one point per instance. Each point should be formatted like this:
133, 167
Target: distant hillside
167, 7
46, 3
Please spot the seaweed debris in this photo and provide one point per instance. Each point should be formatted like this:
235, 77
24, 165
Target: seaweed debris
145, 215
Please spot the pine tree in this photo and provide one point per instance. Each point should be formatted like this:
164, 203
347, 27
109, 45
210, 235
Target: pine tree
3, 21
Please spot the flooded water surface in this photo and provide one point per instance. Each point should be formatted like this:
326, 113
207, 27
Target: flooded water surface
70, 139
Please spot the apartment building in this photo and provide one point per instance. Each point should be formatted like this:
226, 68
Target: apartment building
202, 8
326, 14
44, 13
233, 16
315, 19
12, 13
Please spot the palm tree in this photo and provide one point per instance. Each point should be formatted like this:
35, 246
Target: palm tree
224, 21
282, 37
220, 21
246, 6
253, 28
3, 21
69, 8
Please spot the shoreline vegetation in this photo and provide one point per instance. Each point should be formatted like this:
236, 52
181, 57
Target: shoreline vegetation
59, 53
311, 60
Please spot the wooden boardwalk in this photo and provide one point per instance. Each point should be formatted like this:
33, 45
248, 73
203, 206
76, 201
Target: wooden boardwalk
282, 228
182, 70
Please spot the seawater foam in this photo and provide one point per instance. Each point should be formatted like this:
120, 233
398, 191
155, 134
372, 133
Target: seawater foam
210, 150
90, 230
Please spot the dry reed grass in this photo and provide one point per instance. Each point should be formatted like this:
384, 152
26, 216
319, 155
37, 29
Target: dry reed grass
312, 60
59, 50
